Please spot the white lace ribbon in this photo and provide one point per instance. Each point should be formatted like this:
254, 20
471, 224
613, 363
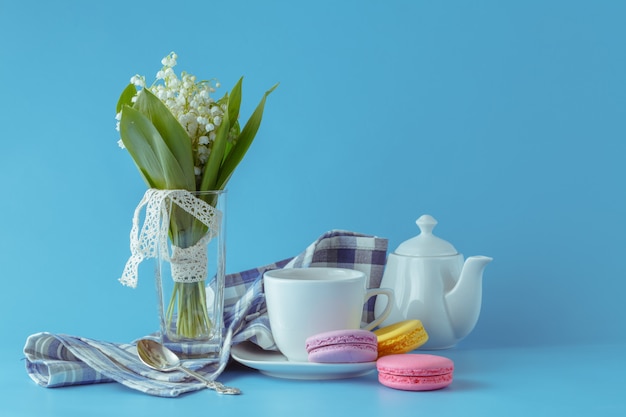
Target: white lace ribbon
188, 264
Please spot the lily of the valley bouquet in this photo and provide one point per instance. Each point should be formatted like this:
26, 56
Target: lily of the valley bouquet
186, 146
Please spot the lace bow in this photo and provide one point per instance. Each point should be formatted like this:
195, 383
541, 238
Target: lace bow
188, 264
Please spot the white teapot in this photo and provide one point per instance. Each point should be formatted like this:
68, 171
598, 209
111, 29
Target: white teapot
432, 283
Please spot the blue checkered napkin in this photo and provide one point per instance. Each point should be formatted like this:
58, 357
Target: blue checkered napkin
56, 360
336, 248
60, 360
343, 249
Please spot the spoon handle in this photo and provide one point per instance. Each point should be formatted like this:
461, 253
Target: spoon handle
214, 385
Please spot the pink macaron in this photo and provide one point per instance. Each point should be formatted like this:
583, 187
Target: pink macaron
415, 372
343, 346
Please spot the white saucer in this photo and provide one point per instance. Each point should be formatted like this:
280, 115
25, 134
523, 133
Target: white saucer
274, 364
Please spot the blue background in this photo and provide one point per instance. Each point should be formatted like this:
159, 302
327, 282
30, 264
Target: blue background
504, 120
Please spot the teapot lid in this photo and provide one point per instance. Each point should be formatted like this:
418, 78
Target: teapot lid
426, 244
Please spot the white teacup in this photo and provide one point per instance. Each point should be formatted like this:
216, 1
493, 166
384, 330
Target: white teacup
302, 302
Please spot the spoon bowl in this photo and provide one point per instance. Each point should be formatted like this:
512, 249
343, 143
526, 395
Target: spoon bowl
157, 356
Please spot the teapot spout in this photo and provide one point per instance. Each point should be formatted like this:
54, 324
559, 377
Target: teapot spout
464, 300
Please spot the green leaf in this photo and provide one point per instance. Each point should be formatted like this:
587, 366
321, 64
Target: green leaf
149, 151
233, 133
172, 133
243, 142
234, 103
126, 98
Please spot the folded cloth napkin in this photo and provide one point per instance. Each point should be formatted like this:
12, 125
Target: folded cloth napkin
56, 360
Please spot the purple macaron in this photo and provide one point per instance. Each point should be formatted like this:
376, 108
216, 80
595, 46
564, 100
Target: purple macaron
343, 346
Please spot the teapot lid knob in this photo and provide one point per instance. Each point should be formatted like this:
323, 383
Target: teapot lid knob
426, 243
426, 223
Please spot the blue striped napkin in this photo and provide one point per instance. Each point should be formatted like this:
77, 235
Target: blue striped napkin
57, 360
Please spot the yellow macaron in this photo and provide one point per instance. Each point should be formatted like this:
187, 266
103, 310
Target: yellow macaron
401, 337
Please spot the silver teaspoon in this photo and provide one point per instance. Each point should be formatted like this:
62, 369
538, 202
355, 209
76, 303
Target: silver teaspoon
158, 357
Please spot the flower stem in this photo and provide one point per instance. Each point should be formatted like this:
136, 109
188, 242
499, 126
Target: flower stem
192, 318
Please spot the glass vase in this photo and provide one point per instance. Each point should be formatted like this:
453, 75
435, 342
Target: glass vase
190, 278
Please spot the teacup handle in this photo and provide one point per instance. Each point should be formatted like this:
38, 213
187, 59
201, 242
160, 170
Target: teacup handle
380, 291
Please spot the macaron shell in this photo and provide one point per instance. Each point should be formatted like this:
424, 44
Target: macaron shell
415, 383
401, 337
415, 372
343, 346
347, 353
340, 337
